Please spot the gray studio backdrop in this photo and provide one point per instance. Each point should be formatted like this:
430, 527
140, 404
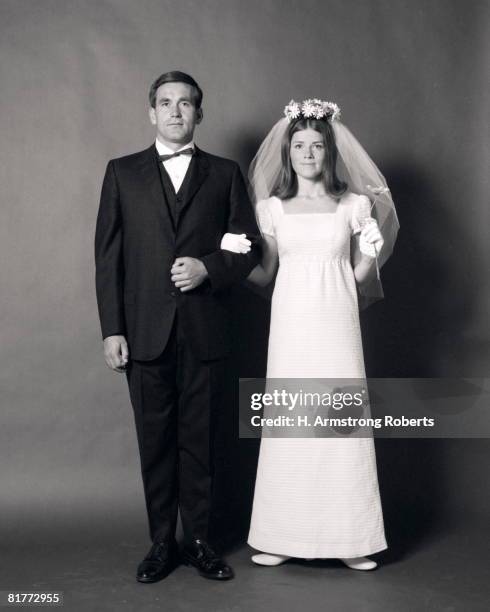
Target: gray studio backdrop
409, 77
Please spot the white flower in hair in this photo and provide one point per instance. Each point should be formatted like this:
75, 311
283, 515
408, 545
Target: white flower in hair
319, 111
292, 110
332, 110
312, 108
308, 108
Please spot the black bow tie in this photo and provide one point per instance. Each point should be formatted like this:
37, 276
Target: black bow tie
188, 151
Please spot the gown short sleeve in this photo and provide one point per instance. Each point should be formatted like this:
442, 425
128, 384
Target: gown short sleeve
264, 217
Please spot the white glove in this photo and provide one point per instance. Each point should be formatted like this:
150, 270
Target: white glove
236, 243
370, 240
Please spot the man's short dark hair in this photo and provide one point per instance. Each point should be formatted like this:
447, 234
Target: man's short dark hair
175, 77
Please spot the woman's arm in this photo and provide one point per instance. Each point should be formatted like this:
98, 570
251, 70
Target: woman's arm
263, 274
363, 265
366, 247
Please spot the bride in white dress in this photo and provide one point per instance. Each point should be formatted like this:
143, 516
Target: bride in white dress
316, 497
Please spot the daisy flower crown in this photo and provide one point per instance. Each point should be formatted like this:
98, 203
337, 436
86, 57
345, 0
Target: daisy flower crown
313, 108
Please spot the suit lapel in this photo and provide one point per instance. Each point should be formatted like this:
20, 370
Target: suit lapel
197, 173
150, 174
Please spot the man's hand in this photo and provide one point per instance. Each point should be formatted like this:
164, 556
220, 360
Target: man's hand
116, 352
188, 273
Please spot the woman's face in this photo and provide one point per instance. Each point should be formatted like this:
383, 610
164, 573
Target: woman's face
307, 153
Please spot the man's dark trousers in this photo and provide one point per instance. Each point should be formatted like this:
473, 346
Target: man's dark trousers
177, 400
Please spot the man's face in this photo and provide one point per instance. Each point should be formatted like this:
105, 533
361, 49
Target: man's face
175, 114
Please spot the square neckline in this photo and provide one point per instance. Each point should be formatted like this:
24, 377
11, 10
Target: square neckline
285, 214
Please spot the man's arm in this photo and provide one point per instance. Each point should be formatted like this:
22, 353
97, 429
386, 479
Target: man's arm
224, 267
109, 267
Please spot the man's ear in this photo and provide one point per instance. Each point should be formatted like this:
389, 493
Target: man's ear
199, 115
153, 116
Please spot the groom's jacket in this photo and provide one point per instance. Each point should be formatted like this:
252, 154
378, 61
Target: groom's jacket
143, 226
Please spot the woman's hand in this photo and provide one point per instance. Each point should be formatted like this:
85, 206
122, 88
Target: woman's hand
236, 243
370, 240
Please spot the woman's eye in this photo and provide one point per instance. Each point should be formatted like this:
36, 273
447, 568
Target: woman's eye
319, 147
297, 146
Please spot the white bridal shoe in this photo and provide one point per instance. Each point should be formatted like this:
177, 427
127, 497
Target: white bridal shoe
357, 563
360, 563
270, 560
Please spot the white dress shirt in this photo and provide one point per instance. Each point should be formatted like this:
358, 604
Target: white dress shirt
177, 166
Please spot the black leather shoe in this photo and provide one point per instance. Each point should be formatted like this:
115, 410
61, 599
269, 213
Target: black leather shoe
158, 563
208, 563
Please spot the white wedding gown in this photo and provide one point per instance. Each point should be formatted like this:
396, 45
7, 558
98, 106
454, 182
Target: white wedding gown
315, 497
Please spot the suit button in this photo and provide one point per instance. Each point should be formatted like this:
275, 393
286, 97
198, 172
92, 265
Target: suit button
173, 294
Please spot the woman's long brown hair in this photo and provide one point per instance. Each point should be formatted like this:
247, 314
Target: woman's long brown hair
287, 182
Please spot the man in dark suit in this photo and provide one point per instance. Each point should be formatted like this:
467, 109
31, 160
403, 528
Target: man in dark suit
163, 295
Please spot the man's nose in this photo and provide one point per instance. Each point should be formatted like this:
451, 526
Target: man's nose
175, 110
